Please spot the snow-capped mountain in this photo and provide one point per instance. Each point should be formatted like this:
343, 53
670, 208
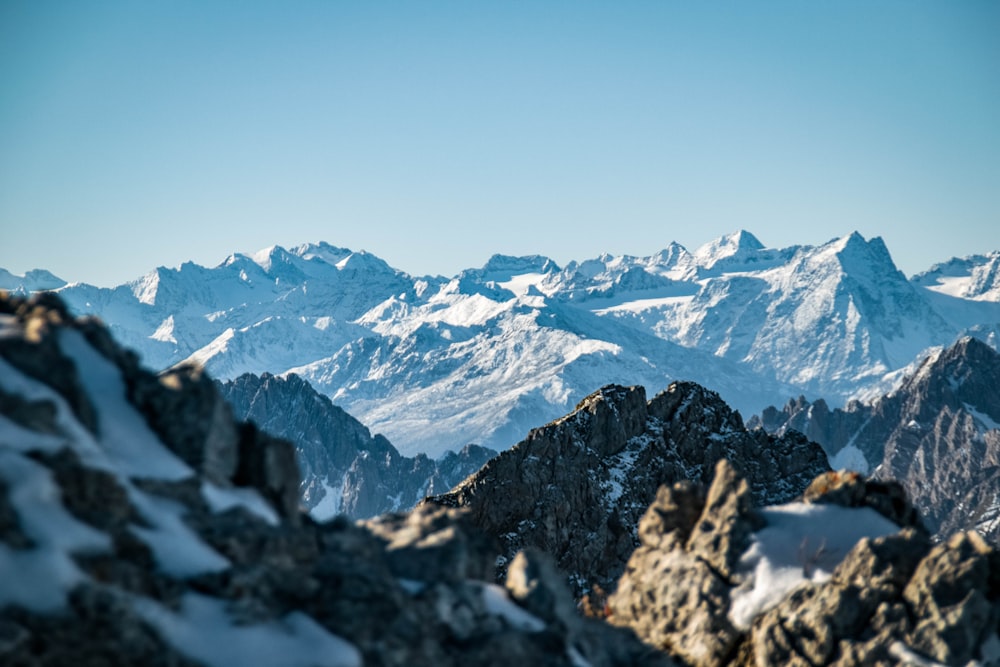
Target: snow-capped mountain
435, 363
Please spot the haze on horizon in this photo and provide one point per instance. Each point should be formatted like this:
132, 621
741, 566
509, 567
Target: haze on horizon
134, 135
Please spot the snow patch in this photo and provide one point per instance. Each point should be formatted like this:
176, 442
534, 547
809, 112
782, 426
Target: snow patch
801, 543
329, 505
220, 500
39, 578
177, 550
988, 422
499, 604
850, 458
123, 433
203, 630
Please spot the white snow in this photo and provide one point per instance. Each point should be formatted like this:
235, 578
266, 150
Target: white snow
988, 422
415, 357
220, 500
165, 332
204, 631
499, 603
124, 435
850, 458
177, 549
38, 578
801, 543
329, 505
910, 658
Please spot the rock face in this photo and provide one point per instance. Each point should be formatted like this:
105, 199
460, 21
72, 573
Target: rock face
938, 434
577, 487
708, 585
344, 469
141, 525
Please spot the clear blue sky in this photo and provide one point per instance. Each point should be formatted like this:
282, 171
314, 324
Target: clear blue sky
433, 134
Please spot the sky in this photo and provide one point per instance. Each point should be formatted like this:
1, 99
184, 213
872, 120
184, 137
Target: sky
435, 134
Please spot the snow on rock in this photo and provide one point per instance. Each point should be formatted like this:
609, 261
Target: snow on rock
801, 542
39, 575
203, 630
124, 435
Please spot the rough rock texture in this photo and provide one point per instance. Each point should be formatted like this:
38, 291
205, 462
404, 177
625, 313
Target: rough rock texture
891, 600
141, 525
344, 469
577, 487
938, 435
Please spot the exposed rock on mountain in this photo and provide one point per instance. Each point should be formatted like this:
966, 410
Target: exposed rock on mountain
141, 525
344, 469
435, 363
577, 487
844, 578
938, 434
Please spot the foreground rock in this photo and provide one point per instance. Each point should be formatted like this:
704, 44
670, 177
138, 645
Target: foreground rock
141, 525
938, 435
344, 468
847, 577
577, 487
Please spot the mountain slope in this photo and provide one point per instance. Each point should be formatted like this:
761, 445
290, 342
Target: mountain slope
576, 488
938, 434
343, 468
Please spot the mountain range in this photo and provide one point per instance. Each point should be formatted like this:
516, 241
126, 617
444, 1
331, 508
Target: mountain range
435, 363
141, 524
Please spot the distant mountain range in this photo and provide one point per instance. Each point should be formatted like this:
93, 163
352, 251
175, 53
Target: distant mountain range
436, 363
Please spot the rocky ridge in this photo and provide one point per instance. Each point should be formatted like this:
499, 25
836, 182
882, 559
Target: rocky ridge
344, 468
141, 525
938, 434
577, 487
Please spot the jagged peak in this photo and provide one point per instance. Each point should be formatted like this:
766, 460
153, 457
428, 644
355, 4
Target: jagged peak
728, 245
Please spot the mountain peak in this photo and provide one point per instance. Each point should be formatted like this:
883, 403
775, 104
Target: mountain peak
32, 281
267, 257
322, 251
864, 258
734, 245
514, 264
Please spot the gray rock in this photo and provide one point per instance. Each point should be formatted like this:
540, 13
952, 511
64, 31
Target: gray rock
896, 599
935, 435
576, 488
338, 455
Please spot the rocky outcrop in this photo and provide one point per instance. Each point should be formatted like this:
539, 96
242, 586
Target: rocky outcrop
577, 487
344, 469
141, 525
938, 434
845, 577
